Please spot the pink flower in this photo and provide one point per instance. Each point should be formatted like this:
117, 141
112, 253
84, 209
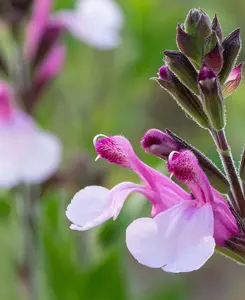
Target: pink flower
27, 154
96, 22
185, 168
50, 67
178, 237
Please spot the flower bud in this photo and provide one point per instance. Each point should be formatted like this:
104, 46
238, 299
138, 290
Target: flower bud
36, 26
232, 47
198, 24
232, 81
191, 35
213, 101
183, 96
217, 28
183, 69
160, 144
49, 68
213, 53
187, 45
215, 176
50, 36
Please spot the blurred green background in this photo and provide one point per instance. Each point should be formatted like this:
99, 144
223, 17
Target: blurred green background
110, 93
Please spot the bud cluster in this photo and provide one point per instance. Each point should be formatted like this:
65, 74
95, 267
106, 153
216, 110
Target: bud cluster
202, 73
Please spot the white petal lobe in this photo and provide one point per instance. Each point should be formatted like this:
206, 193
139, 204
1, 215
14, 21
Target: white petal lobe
90, 207
179, 239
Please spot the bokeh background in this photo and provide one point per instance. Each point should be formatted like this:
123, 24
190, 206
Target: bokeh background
111, 92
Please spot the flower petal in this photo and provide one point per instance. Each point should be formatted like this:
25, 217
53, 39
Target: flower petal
14, 138
195, 244
42, 157
102, 34
177, 240
232, 81
90, 207
94, 205
119, 194
144, 243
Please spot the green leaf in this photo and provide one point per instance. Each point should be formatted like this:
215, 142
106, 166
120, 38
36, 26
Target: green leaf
173, 291
106, 281
5, 208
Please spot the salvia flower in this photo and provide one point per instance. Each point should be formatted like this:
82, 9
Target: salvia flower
96, 22
28, 154
184, 227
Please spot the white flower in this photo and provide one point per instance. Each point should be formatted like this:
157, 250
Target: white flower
96, 22
27, 154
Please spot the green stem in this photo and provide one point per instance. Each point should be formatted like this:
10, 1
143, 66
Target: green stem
30, 240
224, 151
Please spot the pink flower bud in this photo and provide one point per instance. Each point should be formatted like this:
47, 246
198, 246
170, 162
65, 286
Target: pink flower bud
163, 73
233, 81
157, 143
36, 26
50, 68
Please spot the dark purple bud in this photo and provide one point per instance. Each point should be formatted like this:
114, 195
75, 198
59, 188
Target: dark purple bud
217, 28
49, 38
157, 143
232, 47
205, 74
179, 64
189, 102
212, 98
163, 73
232, 81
